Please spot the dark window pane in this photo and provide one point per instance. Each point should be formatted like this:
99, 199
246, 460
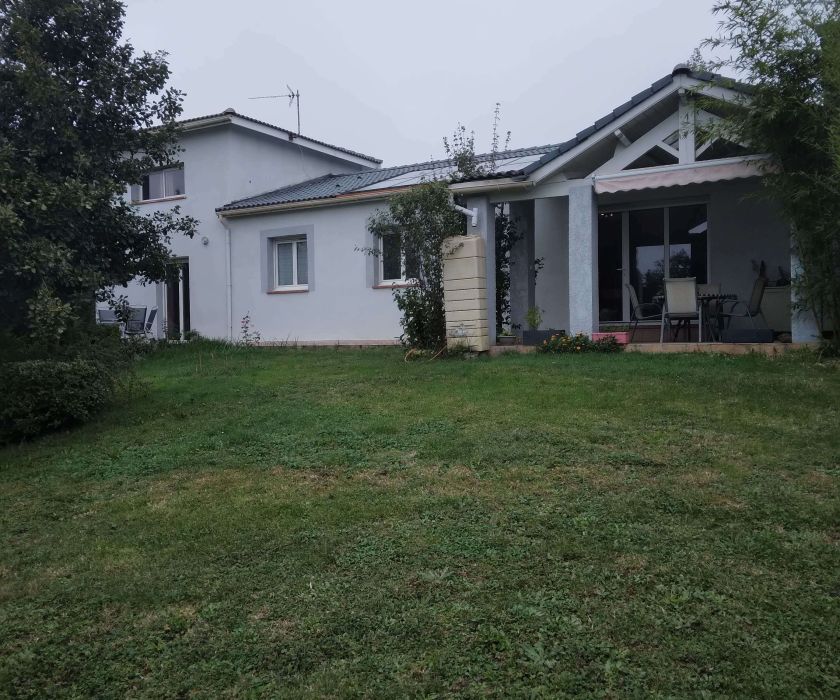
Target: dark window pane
144, 188
284, 264
412, 266
391, 257
302, 274
687, 237
647, 252
155, 185
609, 266
174, 182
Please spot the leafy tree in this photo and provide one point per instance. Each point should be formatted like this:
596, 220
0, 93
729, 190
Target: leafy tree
468, 166
789, 51
423, 217
80, 117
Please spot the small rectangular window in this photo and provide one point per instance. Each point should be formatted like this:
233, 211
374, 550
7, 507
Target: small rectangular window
394, 264
159, 185
391, 258
291, 264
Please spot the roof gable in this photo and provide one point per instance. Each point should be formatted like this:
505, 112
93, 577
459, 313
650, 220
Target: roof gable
682, 77
230, 116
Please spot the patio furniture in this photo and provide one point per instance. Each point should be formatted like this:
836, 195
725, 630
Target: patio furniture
150, 322
641, 312
107, 317
136, 323
742, 309
709, 297
680, 306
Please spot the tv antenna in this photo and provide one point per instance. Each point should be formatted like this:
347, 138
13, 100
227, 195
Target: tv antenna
293, 96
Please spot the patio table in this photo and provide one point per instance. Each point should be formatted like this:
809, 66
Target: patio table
704, 300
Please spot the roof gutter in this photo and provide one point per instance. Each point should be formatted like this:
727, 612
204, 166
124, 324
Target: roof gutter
311, 203
496, 185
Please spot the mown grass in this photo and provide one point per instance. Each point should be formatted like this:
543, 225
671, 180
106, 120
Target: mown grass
304, 523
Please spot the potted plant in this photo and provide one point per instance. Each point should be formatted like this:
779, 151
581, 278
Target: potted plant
620, 332
535, 336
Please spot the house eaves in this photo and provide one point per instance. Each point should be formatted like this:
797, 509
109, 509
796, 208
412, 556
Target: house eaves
369, 184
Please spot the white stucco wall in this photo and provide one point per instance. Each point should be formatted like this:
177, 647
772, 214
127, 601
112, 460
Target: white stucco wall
222, 164
342, 304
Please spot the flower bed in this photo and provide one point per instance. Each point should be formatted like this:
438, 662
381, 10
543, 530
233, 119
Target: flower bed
557, 344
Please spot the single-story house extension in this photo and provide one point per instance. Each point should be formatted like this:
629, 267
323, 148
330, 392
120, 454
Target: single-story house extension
646, 192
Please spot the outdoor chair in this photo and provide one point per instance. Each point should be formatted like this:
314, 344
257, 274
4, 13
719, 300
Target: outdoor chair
742, 309
641, 312
107, 317
136, 323
680, 305
150, 322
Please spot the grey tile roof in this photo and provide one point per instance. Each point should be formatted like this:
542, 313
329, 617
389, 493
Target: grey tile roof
333, 186
294, 135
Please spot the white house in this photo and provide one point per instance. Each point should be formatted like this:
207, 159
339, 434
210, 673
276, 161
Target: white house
639, 195
224, 156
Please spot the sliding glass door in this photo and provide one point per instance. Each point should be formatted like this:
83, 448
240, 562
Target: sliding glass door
641, 247
647, 252
610, 268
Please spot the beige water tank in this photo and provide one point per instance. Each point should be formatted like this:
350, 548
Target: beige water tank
465, 292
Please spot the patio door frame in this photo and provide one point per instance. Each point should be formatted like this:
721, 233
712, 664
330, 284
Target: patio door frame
624, 209
183, 292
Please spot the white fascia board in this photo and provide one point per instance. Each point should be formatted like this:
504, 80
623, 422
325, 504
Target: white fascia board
307, 204
484, 186
278, 133
292, 137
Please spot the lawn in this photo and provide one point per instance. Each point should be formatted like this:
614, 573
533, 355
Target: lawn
310, 523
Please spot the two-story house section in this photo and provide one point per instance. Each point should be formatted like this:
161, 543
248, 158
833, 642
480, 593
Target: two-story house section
224, 157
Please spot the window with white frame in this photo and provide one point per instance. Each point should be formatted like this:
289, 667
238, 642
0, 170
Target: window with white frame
290, 264
160, 184
394, 265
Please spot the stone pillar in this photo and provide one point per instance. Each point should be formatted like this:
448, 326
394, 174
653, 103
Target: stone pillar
583, 260
465, 292
803, 324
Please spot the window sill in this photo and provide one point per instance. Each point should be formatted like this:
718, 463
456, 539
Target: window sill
160, 199
394, 285
290, 290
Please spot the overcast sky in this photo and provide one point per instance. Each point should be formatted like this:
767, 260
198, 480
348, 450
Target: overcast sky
390, 78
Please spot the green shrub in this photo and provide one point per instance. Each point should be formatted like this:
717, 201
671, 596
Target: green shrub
43, 395
558, 344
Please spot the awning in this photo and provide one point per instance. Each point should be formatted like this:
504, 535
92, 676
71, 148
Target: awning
679, 175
